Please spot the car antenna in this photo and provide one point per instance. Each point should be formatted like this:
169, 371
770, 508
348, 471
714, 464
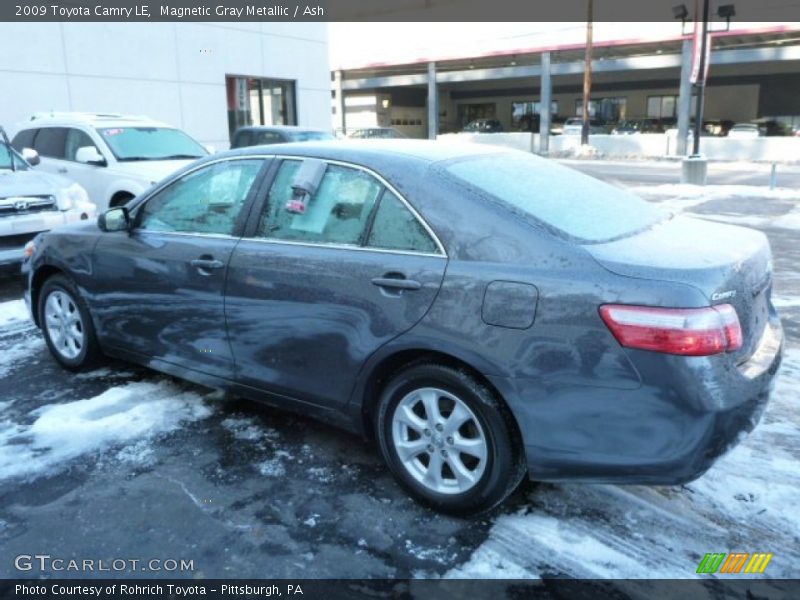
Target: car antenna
8, 147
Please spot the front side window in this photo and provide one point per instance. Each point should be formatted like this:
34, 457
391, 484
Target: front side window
76, 139
338, 213
208, 200
150, 143
7, 155
396, 228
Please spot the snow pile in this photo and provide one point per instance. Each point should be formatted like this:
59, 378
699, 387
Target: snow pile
584, 151
13, 312
118, 416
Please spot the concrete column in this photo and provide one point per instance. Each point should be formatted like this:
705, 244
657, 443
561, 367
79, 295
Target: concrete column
433, 102
684, 99
545, 98
338, 94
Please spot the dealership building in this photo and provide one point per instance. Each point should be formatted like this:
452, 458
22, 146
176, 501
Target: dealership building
206, 78
637, 72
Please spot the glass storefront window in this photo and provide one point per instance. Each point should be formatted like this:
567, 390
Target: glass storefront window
608, 109
525, 115
259, 101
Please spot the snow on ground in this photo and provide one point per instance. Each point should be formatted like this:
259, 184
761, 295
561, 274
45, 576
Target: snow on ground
750, 496
120, 415
18, 334
686, 190
780, 301
684, 197
13, 312
19, 350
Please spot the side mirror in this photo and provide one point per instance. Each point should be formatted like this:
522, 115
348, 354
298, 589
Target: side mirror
31, 156
90, 156
114, 219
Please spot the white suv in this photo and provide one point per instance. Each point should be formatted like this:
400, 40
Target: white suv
115, 157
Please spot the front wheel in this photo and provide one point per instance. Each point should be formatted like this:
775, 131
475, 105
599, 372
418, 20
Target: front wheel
447, 439
66, 324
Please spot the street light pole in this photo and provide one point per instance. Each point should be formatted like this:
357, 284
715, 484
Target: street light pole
701, 81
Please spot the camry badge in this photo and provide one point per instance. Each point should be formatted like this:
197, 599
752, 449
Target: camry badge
723, 295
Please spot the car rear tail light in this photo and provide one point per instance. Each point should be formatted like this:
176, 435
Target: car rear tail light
685, 331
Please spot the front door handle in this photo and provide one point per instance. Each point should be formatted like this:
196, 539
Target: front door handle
63, 170
397, 283
206, 264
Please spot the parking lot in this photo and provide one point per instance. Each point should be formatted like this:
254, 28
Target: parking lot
124, 463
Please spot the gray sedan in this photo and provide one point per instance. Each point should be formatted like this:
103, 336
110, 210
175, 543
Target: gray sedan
482, 314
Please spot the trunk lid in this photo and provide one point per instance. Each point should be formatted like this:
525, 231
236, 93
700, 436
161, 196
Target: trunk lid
727, 263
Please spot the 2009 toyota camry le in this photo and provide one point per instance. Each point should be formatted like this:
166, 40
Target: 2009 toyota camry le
481, 313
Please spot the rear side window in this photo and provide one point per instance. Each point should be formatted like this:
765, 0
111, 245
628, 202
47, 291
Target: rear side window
338, 213
305, 136
24, 139
267, 137
396, 228
50, 142
566, 201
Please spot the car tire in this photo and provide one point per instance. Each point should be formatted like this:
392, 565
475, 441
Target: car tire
67, 325
447, 439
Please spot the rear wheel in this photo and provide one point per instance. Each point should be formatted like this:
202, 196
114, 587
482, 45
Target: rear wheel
66, 324
447, 440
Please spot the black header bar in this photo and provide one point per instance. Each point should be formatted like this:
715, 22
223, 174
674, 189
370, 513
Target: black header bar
449, 11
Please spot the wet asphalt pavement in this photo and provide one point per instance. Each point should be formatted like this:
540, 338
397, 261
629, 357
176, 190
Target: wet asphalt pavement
248, 491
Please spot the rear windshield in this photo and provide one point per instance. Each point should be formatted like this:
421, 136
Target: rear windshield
566, 201
307, 136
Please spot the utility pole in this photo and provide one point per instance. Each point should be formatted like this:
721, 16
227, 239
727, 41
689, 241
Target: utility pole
587, 73
701, 81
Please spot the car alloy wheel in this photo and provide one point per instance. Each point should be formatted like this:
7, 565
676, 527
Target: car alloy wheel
64, 325
448, 438
439, 440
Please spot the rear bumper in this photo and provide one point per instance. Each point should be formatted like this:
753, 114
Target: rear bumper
666, 432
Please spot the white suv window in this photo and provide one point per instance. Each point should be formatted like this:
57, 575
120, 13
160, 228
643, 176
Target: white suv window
76, 139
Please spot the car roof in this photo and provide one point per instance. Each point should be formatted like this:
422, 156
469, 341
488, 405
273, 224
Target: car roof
374, 151
280, 128
109, 119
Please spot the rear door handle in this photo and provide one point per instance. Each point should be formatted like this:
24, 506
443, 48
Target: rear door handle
207, 263
396, 283
63, 170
